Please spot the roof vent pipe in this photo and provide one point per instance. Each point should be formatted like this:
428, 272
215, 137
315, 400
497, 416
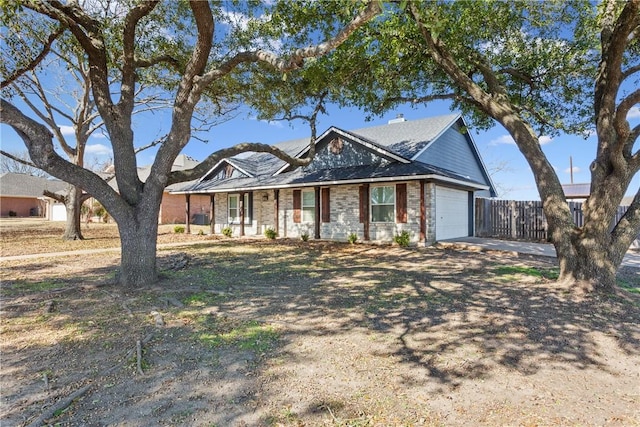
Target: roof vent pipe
399, 119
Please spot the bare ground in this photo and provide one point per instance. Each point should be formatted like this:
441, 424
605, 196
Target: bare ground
285, 333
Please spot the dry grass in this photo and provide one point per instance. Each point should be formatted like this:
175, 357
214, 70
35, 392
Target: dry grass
29, 236
283, 333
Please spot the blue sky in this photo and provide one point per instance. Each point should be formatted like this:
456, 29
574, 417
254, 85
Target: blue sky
514, 181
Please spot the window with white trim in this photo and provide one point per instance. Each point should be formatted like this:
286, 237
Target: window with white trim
308, 206
383, 203
234, 209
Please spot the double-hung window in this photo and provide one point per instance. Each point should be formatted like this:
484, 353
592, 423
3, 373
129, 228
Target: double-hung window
234, 209
308, 206
383, 203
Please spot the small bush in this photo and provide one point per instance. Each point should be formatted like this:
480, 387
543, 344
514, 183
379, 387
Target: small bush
270, 233
403, 238
178, 229
353, 237
304, 237
13, 213
200, 233
227, 231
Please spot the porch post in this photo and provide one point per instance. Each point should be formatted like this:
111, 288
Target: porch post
316, 223
364, 206
212, 214
241, 207
423, 214
276, 209
188, 213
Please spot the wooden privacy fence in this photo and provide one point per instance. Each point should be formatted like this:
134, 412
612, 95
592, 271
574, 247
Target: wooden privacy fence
513, 219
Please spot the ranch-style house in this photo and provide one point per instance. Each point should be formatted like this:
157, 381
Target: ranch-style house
416, 175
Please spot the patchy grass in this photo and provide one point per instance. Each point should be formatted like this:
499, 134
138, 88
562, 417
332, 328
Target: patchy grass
21, 286
509, 272
317, 334
244, 335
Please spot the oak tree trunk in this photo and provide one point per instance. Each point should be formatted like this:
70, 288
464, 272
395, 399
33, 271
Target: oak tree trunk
138, 240
73, 205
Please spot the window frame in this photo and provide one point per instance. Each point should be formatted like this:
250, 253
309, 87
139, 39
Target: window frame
236, 220
371, 204
308, 208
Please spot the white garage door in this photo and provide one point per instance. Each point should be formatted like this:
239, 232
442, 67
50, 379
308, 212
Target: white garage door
58, 212
452, 213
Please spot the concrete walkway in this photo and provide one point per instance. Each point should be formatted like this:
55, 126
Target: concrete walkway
631, 259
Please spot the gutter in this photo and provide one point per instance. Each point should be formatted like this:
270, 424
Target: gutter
432, 177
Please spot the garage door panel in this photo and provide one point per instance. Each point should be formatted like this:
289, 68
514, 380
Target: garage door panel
452, 213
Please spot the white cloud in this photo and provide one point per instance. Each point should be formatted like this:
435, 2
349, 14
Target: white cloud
67, 130
504, 139
634, 113
274, 123
508, 140
575, 170
98, 149
545, 139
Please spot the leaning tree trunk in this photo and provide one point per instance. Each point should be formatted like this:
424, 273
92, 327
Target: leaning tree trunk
73, 205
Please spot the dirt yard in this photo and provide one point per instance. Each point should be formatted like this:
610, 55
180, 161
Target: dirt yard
286, 333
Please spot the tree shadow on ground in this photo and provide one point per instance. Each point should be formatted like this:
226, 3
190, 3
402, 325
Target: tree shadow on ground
437, 318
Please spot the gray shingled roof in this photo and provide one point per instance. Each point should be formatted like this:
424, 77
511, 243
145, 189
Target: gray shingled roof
406, 139
577, 191
23, 185
301, 176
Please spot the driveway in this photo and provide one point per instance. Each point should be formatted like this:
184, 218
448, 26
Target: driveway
631, 259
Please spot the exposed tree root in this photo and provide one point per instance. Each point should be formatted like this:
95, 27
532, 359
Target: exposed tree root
59, 406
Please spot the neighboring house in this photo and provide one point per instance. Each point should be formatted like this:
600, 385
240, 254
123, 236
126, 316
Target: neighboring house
577, 192
420, 176
21, 195
172, 207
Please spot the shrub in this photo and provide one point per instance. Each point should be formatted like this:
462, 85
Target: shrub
304, 237
13, 213
353, 237
270, 233
402, 239
200, 233
178, 229
227, 231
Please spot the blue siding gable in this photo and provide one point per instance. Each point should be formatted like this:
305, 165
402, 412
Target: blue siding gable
453, 151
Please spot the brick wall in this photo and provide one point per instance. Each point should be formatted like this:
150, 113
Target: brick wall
20, 205
173, 207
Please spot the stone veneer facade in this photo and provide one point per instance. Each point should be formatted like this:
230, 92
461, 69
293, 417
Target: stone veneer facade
344, 215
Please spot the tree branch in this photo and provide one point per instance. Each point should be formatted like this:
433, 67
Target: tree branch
630, 71
625, 230
57, 197
39, 141
18, 159
202, 168
151, 144
134, 16
150, 62
35, 61
295, 60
